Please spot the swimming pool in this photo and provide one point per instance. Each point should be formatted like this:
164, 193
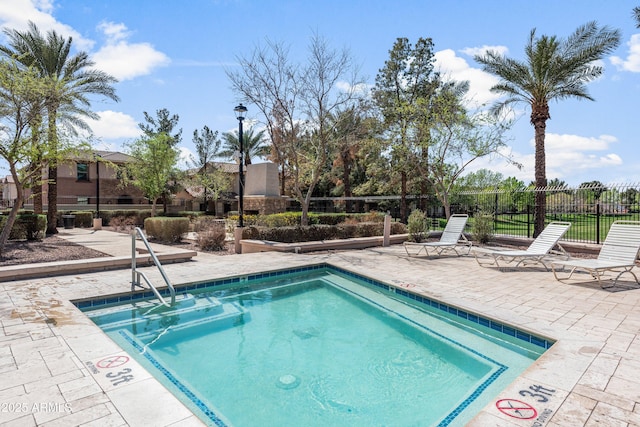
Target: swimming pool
318, 346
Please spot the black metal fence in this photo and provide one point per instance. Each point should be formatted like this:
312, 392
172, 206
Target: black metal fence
590, 208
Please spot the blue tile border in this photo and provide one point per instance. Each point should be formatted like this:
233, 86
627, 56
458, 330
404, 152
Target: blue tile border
510, 331
210, 414
499, 367
472, 317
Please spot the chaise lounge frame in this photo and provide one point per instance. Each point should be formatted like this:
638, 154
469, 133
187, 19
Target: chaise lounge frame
545, 245
618, 255
451, 239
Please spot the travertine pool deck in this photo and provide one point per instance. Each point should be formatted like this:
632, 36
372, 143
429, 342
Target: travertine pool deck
58, 369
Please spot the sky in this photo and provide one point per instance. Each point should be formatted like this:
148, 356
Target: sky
175, 55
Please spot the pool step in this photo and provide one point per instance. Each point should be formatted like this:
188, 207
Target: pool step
151, 312
230, 315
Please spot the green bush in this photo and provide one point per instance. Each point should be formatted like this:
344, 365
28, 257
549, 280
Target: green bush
83, 219
417, 226
482, 227
26, 226
319, 232
166, 229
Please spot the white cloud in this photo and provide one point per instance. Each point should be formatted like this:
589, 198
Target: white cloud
125, 60
114, 125
473, 51
632, 62
348, 87
16, 14
185, 158
454, 67
567, 157
575, 143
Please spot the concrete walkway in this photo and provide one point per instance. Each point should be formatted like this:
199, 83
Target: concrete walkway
117, 248
49, 351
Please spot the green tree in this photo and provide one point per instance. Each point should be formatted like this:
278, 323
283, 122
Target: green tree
636, 16
70, 79
351, 128
20, 109
154, 165
481, 179
557, 183
592, 190
253, 145
402, 92
164, 123
280, 89
554, 69
210, 178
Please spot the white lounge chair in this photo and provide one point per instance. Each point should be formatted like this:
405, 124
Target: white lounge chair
541, 248
452, 238
618, 254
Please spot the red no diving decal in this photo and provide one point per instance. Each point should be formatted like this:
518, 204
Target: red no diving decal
516, 409
112, 362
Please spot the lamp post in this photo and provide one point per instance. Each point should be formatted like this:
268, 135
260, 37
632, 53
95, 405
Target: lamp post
240, 112
97, 158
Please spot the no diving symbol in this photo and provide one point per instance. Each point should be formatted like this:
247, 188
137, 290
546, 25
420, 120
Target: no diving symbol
516, 409
112, 362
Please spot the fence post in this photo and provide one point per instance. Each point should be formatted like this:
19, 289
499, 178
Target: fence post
598, 223
528, 221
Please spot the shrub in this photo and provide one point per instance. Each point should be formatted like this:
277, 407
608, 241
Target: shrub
123, 223
417, 226
166, 229
211, 233
83, 219
26, 226
319, 232
133, 217
482, 228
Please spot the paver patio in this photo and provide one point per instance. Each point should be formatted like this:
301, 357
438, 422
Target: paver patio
49, 350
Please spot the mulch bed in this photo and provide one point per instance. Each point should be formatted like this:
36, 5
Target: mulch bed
49, 249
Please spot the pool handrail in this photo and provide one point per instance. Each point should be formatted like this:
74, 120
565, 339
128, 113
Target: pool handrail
136, 274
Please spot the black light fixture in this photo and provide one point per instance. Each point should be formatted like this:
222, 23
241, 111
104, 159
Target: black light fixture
240, 112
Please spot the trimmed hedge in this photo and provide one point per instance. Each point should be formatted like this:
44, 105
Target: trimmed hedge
28, 226
166, 229
291, 219
320, 232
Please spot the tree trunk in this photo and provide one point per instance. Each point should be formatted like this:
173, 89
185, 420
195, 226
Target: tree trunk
52, 185
346, 179
540, 123
403, 197
13, 214
52, 199
36, 192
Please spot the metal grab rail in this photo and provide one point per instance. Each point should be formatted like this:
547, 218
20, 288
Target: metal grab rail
135, 274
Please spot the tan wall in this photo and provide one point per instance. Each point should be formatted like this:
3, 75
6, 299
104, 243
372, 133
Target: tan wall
69, 188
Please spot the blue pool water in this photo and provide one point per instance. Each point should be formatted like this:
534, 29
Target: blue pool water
319, 348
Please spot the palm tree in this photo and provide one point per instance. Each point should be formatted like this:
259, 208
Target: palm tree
554, 69
636, 16
252, 143
70, 78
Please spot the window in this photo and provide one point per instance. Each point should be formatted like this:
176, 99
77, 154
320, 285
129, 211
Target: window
83, 171
83, 200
